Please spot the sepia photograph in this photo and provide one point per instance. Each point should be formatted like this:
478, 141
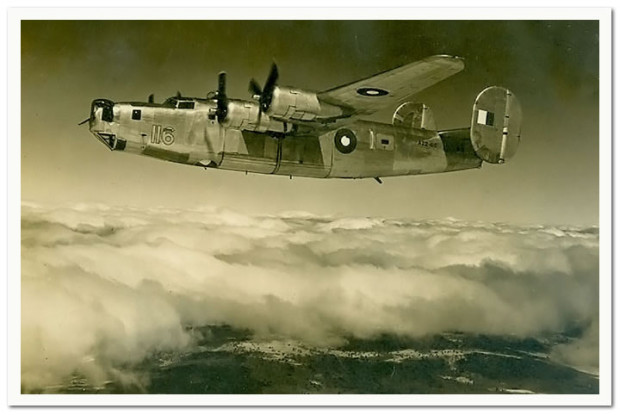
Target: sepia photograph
319, 207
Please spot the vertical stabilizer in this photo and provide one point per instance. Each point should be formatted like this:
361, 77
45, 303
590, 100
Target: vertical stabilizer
496, 125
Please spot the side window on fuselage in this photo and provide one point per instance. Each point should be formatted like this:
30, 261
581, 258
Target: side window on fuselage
186, 105
136, 114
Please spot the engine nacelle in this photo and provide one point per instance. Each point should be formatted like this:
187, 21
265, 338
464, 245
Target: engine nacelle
294, 104
244, 115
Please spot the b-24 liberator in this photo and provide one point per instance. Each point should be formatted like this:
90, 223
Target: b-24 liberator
294, 132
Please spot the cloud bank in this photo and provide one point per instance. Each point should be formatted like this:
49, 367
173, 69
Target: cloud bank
104, 287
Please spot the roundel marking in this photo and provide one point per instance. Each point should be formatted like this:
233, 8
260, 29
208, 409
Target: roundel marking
372, 92
345, 140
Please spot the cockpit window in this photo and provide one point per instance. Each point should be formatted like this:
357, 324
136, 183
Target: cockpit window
188, 105
171, 102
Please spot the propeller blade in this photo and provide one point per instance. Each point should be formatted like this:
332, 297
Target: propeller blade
254, 88
222, 99
151, 98
85, 121
270, 85
272, 78
221, 83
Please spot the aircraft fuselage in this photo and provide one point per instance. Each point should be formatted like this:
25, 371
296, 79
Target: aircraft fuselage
182, 131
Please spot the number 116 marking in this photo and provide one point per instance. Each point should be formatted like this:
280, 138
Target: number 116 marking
162, 135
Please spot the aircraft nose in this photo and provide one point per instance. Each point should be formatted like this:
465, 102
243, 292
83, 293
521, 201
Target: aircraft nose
102, 109
101, 122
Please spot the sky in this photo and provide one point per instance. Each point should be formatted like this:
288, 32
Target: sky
552, 67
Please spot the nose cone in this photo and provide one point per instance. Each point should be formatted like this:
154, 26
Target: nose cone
101, 114
102, 110
101, 122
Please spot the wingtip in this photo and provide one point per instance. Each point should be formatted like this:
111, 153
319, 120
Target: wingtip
444, 56
458, 61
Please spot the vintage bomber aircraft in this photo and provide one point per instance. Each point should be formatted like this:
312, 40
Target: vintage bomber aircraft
293, 132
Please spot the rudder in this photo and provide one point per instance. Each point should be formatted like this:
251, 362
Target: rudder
496, 125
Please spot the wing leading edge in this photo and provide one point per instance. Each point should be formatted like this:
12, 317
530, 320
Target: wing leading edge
391, 87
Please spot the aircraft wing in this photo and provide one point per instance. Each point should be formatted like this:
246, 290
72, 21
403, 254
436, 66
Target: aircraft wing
391, 87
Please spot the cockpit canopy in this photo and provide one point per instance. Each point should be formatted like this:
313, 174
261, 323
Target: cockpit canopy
180, 103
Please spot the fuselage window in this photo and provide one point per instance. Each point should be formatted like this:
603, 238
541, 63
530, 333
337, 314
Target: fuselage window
384, 142
186, 105
136, 114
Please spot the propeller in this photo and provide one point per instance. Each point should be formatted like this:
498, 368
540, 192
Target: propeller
151, 98
222, 100
266, 93
85, 121
254, 88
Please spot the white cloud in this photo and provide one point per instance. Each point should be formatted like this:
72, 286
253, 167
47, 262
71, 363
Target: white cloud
104, 287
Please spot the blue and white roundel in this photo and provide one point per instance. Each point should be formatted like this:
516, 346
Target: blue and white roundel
345, 140
372, 92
